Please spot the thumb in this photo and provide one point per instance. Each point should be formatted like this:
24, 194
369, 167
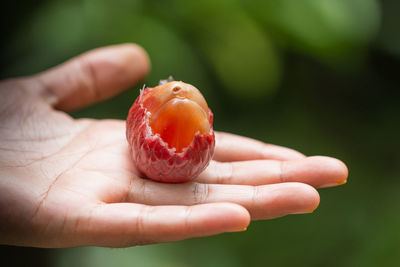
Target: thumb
94, 76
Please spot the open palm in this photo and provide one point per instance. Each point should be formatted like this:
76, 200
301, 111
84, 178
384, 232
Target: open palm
67, 182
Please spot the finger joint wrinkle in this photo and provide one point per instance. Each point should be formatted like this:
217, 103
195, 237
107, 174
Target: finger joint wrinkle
200, 192
91, 77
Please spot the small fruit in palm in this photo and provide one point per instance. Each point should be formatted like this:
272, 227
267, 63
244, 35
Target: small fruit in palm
170, 132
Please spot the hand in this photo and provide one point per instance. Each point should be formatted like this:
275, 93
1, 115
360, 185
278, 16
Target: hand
67, 182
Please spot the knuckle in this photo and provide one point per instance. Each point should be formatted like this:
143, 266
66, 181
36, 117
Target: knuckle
89, 77
224, 173
187, 219
142, 220
199, 192
282, 172
229, 172
137, 191
255, 195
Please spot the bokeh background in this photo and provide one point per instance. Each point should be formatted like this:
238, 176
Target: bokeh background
320, 76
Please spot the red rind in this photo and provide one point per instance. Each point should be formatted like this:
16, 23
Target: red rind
155, 159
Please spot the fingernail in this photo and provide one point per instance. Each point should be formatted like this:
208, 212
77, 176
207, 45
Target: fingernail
301, 212
333, 184
311, 210
239, 230
304, 212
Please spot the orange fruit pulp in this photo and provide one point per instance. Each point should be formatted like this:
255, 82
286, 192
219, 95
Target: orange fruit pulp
177, 112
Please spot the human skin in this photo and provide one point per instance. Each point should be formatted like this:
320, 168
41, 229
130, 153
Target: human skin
68, 182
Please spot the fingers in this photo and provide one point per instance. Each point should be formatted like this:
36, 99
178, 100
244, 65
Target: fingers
230, 147
93, 76
317, 171
263, 202
125, 224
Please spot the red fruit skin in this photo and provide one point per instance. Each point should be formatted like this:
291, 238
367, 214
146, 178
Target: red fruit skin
152, 156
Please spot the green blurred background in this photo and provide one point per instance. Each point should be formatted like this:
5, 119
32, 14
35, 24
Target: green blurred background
320, 76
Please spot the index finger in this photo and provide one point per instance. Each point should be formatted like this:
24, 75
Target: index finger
129, 224
231, 147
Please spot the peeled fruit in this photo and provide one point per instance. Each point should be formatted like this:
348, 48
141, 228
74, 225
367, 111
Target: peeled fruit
169, 130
